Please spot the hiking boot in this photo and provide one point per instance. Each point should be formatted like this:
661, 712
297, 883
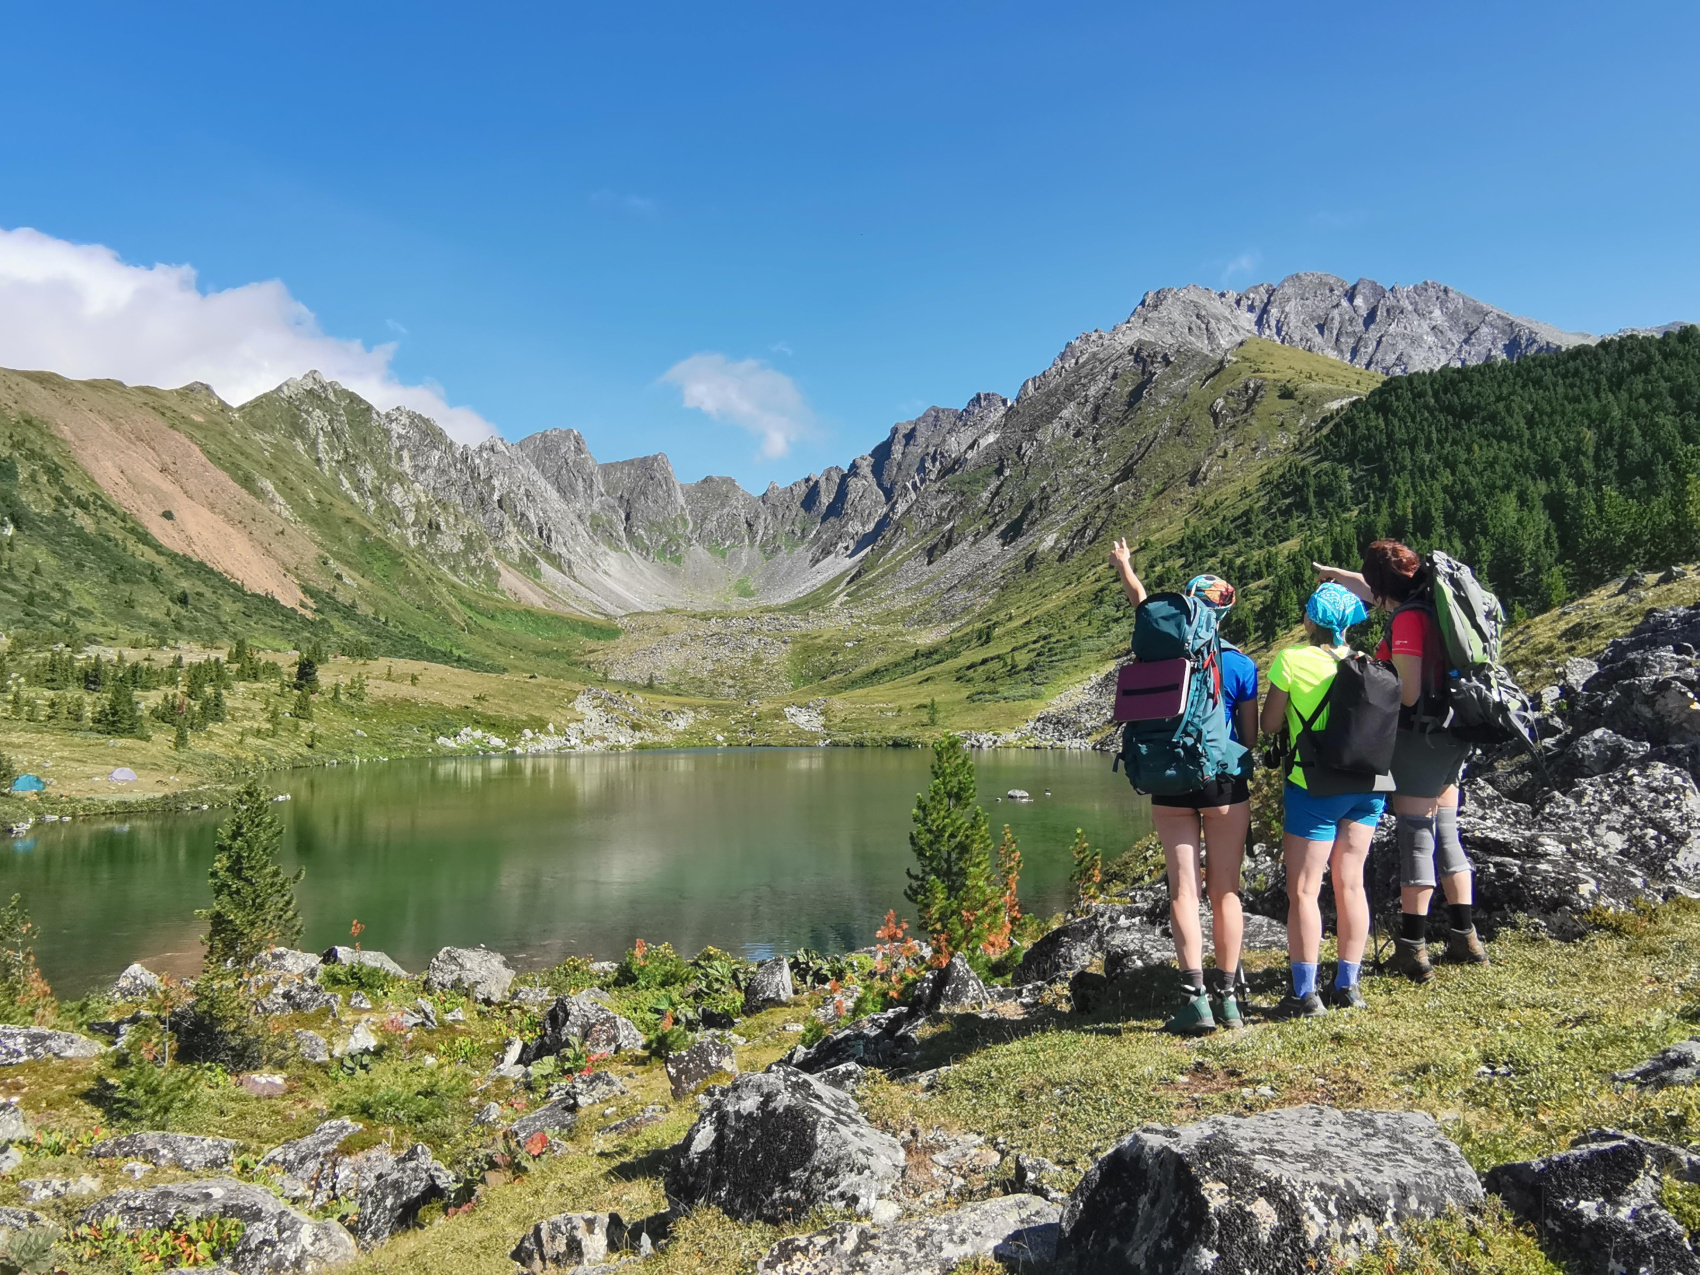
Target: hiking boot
1307, 1006
1345, 998
1228, 1013
1194, 1018
1464, 947
1410, 958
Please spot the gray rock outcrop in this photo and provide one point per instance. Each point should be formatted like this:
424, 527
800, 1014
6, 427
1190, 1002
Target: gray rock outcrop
136, 983
276, 1239
1017, 1229
32, 1044
15, 1126
305, 1168
769, 986
358, 956
20, 1219
690, 1069
277, 961
389, 1190
773, 1146
477, 971
1678, 1064
294, 995
1270, 1192
955, 989
1601, 1201
570, 1239
169, 1150
579, 1019
886, 1039
312, 1047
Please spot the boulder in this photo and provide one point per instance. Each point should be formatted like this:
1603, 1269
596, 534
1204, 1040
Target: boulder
588, 1089
169, 1150
774, 1146
886, 1039
20, 1219
1017, 1229
360, 1041
32, 1044
14, 1124
955, 989
769, 986
286, 960
1677, 1065
277, 1238
480, 973
136, 983
423, 1014
579, 1019
570, 1239
1137, 946
389, 1190
357, 956
1574, 674
1277, 1191
1069, 948
1598, 751
691, 1069
305, 1167
297, 996
1601, 1201
1673, 573
37, 1190
311, 1047
558, 1116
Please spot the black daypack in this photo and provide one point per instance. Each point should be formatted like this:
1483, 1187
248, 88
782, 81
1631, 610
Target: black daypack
1363, 721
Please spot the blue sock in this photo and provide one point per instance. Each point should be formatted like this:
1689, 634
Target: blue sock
1304, 978
1347, 974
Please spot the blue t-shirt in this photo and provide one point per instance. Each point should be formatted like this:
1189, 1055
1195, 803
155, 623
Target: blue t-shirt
1239, 684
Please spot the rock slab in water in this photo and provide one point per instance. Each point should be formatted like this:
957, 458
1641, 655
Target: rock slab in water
1272, 1192
956, 989
1019, 1229
277, 1238
357, 956
775, 1145
169, 1150
32, 1044
1679, 1064
136, 983
769, 986
579, 1019
477, 971
305, 1166
691, 1069
886, 1039
1600, 1200
570, 1239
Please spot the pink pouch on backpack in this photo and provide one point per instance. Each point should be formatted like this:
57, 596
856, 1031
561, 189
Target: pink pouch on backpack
1149, 692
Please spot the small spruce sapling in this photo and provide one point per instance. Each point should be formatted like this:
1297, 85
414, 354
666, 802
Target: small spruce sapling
1087, 872
253, 898
25, 997
955, 890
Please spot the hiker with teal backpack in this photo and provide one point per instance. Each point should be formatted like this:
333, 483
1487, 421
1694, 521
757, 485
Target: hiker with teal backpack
1339, 711
1189, 704
1444, 640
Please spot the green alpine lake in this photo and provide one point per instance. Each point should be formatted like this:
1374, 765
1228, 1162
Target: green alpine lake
752, 850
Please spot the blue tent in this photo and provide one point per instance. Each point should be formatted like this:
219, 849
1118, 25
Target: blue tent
28, 783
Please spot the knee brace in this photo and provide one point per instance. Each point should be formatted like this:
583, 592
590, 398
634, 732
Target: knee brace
1449, 855
1415, 837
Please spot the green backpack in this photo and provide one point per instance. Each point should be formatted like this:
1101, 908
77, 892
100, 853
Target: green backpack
1480, 703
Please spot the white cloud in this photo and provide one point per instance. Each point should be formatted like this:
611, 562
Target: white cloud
78, 310
749, 394
1241, 266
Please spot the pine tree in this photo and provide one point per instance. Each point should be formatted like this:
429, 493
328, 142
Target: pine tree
25, 997
955, 890
180, 737
253, 898
118, 715
1087, 871
303, 709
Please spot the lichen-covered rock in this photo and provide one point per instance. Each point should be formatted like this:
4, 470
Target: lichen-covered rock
773, 1146
294, 995
1598, 751
1018, 1229
312, 1047
1069, 948
477, 971
136, 983
169, 1150
570, 1239
1271, 1192
305, 1168
32, 1044
20, 1219
1679, 1064
579, 1019
1601, 1201
886, 1039
558, 1116
691, 1069
14, 1124
389, 1190
359, 1041
276, 1239
1137, 946
956, 989
588, 1089
769, 986
358, 956
278, 961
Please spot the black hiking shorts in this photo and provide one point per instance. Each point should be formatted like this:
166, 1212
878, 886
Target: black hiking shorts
1230, 790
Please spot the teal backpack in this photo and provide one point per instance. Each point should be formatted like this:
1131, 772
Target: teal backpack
1169, 757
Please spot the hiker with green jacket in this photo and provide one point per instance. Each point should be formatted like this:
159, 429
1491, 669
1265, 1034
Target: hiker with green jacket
1428, 761
1324, 830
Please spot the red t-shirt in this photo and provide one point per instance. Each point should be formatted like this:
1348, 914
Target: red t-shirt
1416, 632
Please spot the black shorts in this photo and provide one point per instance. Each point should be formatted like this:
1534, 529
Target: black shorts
1227, 791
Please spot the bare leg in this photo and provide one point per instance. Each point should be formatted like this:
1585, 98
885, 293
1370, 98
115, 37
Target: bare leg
1178, 829
1224, 839
1351, 904
1306, 861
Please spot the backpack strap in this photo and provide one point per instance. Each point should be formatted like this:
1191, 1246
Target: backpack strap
1307, 725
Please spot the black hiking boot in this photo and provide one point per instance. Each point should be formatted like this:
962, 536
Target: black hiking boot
1410, 958
1464, 947
1307, 1006
1345, 998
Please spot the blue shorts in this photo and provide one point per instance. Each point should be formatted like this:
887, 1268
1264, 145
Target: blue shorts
1317, 818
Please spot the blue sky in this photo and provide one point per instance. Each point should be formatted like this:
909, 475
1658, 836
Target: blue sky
549, 208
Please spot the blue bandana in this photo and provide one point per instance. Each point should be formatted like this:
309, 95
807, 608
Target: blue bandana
1336, 608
